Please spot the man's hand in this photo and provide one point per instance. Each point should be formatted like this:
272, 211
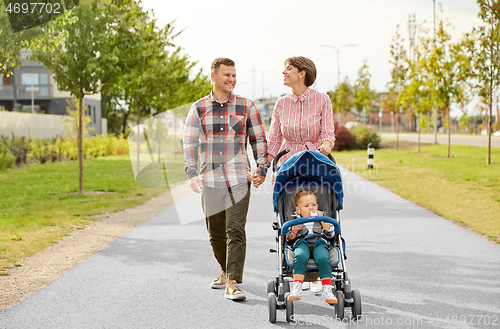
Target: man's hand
257, 179
195, 184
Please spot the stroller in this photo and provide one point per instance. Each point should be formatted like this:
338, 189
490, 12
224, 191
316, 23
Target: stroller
320, 174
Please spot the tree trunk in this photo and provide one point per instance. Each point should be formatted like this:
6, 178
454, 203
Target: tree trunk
488, 161
80, 147
124, 123
138, 132
175, 136
419, 129
397, 130
159, 137
449, 127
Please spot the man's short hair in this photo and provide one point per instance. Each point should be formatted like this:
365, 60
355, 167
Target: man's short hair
303, 64
221, 61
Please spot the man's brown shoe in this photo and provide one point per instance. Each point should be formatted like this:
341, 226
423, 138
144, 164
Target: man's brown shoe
220, 282
234, 292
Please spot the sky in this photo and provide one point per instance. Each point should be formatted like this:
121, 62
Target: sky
260, 34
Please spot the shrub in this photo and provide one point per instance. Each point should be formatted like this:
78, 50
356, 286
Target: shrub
344, 140
20, 150
364, 136
7, 160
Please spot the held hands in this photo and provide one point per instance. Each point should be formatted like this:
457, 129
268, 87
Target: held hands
257, 179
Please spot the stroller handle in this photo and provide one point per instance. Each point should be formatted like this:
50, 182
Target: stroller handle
303, 220
285, 151
278, 156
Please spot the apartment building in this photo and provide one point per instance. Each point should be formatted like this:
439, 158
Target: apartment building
31, 88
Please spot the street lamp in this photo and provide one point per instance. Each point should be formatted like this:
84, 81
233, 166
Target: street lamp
262, 73
338, 60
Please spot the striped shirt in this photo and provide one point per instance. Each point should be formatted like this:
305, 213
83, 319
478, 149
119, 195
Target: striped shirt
301, 123
220, 133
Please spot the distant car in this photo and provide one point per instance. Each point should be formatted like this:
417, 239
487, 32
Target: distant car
350, 124
496, 133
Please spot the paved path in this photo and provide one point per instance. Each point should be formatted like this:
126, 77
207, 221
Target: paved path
474, 140
413, 268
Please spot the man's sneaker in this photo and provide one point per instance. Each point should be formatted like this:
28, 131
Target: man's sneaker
234, 292
296, 293
316, 287
327, 295
220, 282
305, 285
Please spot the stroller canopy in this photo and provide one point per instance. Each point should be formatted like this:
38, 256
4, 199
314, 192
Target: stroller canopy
305, 168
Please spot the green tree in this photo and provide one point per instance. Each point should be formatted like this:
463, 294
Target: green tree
398, 77
342, 99
77, 66
486, 58
364, 96
446, 67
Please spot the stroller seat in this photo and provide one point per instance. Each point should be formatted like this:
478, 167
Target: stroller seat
327, 204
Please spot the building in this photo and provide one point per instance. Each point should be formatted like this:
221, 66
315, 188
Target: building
31, 88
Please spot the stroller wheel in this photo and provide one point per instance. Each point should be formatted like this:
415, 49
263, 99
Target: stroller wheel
339, 307
270, 286
289, 308
271, 305
356, 306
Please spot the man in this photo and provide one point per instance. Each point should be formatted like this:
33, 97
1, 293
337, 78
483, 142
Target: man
220, 125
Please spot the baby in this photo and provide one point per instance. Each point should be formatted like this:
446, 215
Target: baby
299, 237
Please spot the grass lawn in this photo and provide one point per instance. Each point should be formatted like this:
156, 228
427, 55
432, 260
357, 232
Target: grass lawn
461, 188
38, 204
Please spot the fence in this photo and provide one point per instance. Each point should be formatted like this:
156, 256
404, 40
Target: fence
34, 124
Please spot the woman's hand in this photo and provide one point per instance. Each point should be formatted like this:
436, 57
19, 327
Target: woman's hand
326, 148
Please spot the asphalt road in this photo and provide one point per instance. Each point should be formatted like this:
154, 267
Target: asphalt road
412, 267
474, 140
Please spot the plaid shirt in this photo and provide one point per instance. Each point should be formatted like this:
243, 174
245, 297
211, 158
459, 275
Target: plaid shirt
222, 131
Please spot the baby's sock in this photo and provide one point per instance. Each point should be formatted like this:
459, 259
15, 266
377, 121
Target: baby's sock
326, 282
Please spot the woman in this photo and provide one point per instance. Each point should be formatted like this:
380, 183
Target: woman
303, 119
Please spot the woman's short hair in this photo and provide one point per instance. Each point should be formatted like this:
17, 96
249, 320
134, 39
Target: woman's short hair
221, 61
304, 64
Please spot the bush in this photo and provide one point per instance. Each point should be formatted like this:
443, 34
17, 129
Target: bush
33, 150
344, 140
7, 160
364, 136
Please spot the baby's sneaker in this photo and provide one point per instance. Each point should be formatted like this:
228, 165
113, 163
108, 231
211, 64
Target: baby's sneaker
296, 293
327, 295
316, 287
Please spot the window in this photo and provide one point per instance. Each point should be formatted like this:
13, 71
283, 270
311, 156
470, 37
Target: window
39, 81
30, 79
